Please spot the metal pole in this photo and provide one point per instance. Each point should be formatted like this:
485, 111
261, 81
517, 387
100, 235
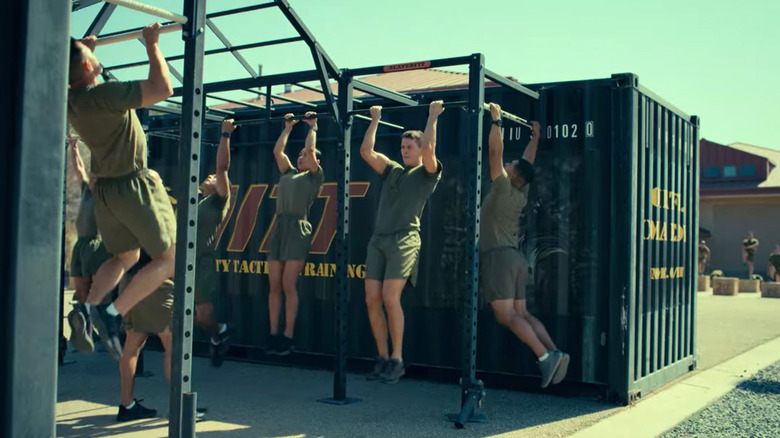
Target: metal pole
510, 116
168, 28
151, 10
187, 218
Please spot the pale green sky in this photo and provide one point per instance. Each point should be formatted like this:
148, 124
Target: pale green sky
714, 58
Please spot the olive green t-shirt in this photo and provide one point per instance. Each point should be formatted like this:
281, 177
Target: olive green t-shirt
404, 193
501, 209
211, 211
104, 118
747, 242
774, 260
86, 224
297, 191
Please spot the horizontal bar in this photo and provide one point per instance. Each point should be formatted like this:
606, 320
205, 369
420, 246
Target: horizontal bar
286, 99
281, 119
240, 10
388, 124
510, 116
260, 81
163, 109
176, 137
383, 92
510, 84
211, 52
418, 65
460, 103
134, 35
309, 87
237, 102
151, 10
219, 110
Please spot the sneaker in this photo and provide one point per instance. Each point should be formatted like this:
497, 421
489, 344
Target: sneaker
393, 371
273, 345
380, 363
285, 346
79, 333
560, 373
549, 366
108, 328
218, 351
137, 412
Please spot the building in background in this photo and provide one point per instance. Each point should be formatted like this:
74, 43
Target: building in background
739, 192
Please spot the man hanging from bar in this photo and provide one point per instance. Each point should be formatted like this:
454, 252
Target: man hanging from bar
773, 265
749, 247
132, 209
88, 254
503, 266
212, 209
290, 239
394, 248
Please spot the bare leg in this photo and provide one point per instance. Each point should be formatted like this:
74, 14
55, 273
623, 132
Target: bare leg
751, 267
539, 329
376, 315
133, 345
507, 316
166, 337
275, 270
109, 274
81, 288
391, 296
292, 269
147, 280
204, 318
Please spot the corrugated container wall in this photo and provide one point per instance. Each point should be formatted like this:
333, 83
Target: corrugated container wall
610, 234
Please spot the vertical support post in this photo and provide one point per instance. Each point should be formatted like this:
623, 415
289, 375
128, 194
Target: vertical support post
36, 35
186, 185
342, 243
472, 390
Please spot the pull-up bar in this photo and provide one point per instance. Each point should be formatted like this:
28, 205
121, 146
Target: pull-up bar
151, 10
134, 35
510, 116
461, 103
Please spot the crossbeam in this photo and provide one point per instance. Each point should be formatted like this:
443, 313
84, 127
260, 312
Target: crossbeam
148, 9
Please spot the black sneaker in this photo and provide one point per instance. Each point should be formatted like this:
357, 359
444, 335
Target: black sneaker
80, 335
549, 366
285, 346
273, 344
108, 328
218, 351
380, 363
393, 371
560, 373
137, 412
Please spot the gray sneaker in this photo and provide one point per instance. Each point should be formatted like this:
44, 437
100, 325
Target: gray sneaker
79, 335
394, 370
549, 366
380, 363
560, 373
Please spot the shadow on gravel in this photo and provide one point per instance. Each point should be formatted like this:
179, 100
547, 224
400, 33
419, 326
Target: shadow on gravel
760, 386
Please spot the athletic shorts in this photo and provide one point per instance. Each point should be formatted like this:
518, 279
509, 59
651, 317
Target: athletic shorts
206, 281
393, 256
154, 313
87, 257
134, 211
290, 239
503, 274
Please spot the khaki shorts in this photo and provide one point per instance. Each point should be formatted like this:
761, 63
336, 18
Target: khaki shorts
87, 257
393, 256
206, 281
290, 239
134, 211
503, 274
154, 314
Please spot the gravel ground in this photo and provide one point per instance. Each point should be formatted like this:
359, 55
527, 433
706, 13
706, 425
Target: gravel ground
752, 409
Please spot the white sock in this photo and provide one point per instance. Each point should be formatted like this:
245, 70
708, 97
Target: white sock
131, 405
544, 356
111, 310
88, 308
223, 329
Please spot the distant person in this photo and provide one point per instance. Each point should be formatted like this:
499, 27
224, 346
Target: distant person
773, 268
704, 257
749, 247
504, 267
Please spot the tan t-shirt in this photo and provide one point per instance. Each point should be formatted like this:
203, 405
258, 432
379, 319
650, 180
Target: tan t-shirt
403, 197
104, 118
297, 192
501, 209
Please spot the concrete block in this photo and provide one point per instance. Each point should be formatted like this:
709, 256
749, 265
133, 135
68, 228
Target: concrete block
752, 286
725, 286
770, 290
704, 283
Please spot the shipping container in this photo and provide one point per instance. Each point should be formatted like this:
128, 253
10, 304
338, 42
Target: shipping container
610, 231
